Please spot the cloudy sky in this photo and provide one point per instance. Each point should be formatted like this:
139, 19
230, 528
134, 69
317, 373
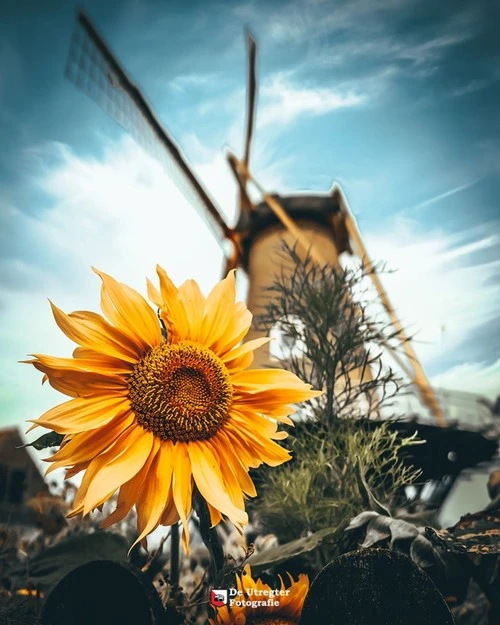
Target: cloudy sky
395, 99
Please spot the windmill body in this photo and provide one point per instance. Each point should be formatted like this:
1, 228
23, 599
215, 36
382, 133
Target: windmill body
263, 237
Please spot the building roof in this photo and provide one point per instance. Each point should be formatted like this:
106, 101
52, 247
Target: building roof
14, 455
322, 209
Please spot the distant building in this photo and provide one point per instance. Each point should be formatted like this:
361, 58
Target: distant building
20, 479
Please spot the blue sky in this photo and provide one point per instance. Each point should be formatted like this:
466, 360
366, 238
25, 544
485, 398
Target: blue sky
395, 99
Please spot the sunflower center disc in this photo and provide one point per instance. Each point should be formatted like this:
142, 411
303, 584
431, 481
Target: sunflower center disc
181, 392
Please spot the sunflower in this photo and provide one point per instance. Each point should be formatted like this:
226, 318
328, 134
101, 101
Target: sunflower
164, 405
257, 604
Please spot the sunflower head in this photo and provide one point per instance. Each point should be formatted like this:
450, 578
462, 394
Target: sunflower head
258, 604
155, 418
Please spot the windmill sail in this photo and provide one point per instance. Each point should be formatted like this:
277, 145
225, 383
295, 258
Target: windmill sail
245, 203
94, 69
251, 95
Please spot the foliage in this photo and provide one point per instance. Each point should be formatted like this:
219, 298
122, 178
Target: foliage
334, 341
329, 319
320, 488
276, 555
51, 439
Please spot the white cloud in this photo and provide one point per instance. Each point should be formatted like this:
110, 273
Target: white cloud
441, 301
446, 194
477, 84
125, 213
378, 34
454, 190
295, 21
183, 82
431, 49
473, 377
282, 102
392, 48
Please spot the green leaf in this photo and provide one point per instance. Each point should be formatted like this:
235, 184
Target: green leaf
366, 491
51, 439
52, 564
276, 555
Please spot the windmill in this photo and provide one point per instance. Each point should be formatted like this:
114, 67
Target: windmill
320, 224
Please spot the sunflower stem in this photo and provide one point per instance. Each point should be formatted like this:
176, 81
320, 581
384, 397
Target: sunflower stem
174, 555
210, 537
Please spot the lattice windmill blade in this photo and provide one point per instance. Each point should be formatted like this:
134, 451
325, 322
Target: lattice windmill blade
94, 69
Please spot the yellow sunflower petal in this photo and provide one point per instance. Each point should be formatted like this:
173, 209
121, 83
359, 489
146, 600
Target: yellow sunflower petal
263, 379
117, 320
130, 311
194, 305
76, 469
211, 483
240, 471
267, 451
81, 414
218, 309
182, 487
137, 445
241, 357
154, 294
82, 383
233, 487
91, 470
95, 333
115, 369
170, 516
235, 331
156, 490
86, 445
215, 515
173, 306
131, 491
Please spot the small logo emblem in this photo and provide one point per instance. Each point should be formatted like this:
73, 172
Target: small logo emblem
218, 597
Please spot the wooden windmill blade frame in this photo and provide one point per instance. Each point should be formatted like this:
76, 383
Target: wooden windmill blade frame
94, 69
245, 204
412, 366
251, 94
